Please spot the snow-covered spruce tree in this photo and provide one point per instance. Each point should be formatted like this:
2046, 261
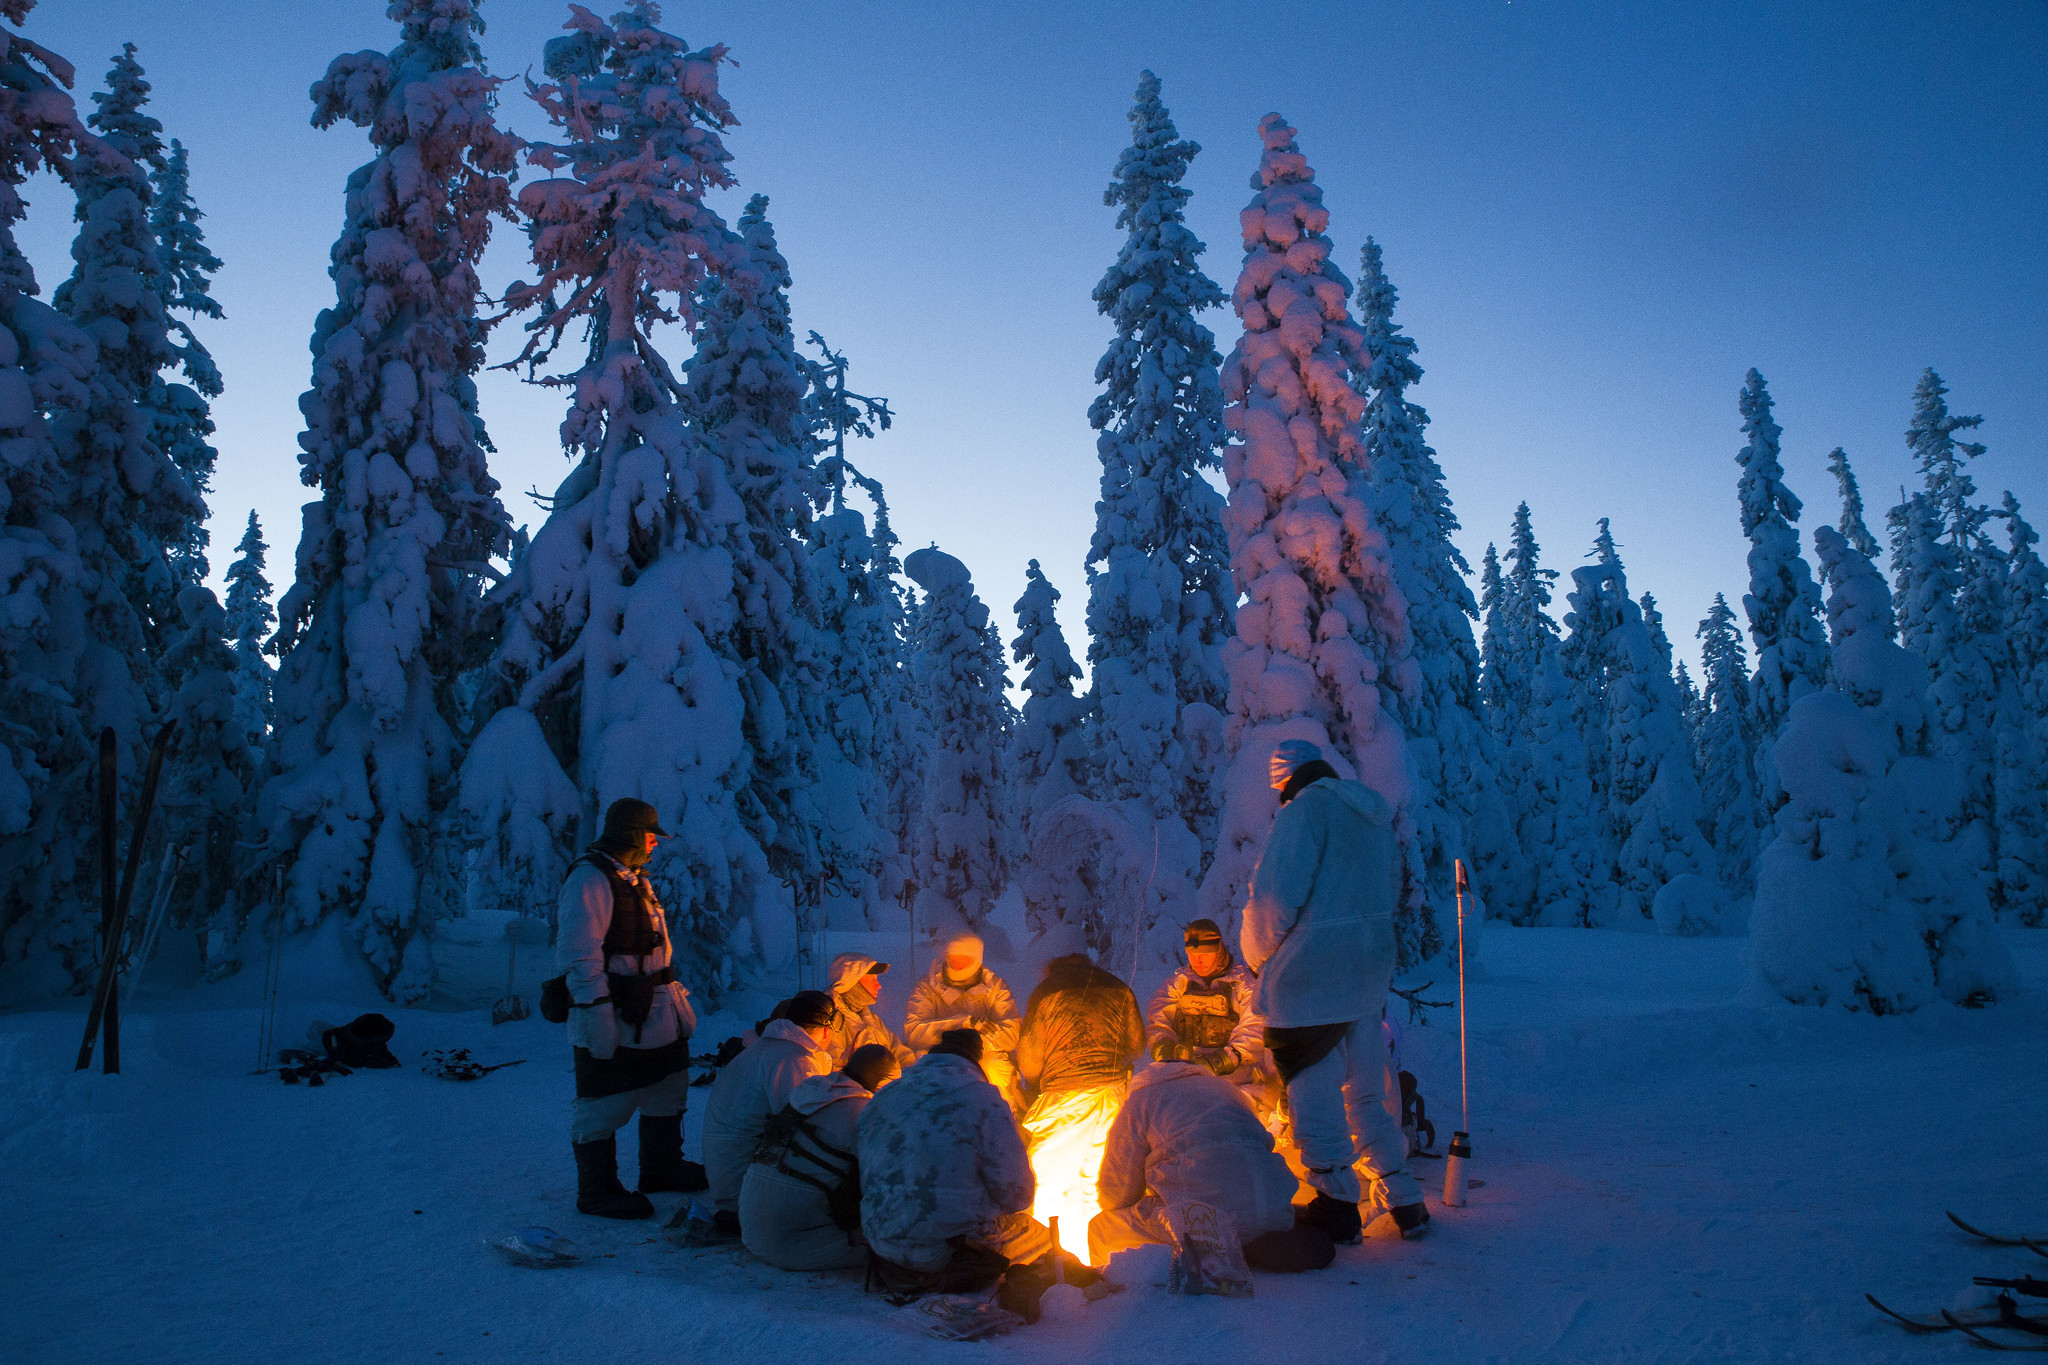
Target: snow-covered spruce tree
181, 410
1783, 602
1572, 881
956, 666
1525, 634
1048, 751
1727, 751
249, 619
1511, 870
1653, 621
1694, 706
2022, 752
623, 621
380, 623
1159, 599
1594, 615
1851, 525
132, 508
1861, 902
1457, 808
1322, 650
745, 394
58, 682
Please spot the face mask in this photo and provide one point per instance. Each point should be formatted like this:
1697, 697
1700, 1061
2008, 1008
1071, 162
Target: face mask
858, 996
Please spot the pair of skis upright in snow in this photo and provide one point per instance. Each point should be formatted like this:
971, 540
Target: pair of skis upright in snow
2005, 1315
105, 1014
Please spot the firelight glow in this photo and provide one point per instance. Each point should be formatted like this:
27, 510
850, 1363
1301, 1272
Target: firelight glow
1066, 1133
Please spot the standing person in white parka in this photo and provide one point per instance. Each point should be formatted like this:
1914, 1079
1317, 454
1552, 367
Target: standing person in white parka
629, 1018
1319, 931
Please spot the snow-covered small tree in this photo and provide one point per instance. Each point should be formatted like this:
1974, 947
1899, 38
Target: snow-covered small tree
1783, 602
956, 665
379, 626
1861, 901
1458, 810
1595, 607
1653, 621
1048, 751
1852, 525
1727, 751
1525, 634
1694, 707
181, 409
49, 656
1572, 884
249, 618
1322, 650
1159, 601
620, 653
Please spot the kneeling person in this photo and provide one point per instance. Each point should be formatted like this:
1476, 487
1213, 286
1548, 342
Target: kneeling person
752, 1089
944, 1180
800, 1200
1186, 1135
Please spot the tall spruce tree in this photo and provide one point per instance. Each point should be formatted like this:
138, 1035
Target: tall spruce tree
1048, 751
181, 410
621, 650
1458, 811
2022, 742
746, 391
1159, 600
380, 624
1783, 601
1323, 650
1573, 883
62, 672
1851, 525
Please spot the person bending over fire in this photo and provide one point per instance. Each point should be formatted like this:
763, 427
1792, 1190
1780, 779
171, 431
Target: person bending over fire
1188, 1136
800, 1200
960, 992
1319, 931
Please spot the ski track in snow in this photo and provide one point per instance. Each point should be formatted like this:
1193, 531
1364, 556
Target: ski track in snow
1670, 1177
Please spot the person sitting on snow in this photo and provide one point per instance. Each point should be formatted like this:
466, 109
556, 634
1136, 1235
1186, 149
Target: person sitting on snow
1319, 932
856, 985
800, 1199
1186, 1135
1204, 1013
629, 1019
946, 1190
960, 992
1081, 1031
752, 1089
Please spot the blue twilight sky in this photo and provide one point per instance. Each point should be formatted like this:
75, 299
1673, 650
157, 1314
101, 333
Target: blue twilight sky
1599, 215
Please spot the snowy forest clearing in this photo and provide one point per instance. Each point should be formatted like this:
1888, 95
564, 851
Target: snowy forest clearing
1670, 1175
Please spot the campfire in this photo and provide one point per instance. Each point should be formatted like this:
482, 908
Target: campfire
1066, 1133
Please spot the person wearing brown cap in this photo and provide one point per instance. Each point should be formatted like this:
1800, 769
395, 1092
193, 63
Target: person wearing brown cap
629, 1019
753, 1087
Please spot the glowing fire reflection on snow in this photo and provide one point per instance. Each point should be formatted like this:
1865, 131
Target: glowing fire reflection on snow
1065, 1133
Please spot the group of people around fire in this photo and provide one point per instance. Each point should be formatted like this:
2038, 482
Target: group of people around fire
828, 1142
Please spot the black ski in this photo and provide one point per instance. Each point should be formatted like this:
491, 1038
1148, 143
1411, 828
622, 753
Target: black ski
2006, 1315
2037, 1245
1973, 1334
104, 1002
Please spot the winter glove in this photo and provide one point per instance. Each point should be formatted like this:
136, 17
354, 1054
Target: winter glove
595, 1027
1222, 1061
1164, 1049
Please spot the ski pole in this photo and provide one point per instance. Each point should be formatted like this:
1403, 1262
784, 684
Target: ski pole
1461, 1142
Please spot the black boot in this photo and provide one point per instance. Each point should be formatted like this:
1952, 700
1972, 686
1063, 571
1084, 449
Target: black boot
598, 1190
662, 1168
1023, 1286
1337, 1217
1412, 1219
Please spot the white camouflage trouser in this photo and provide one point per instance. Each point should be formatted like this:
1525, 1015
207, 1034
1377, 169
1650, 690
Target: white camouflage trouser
595, 1120
1340, 1120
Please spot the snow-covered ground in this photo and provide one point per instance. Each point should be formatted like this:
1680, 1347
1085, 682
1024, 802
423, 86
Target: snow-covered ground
1669, 1176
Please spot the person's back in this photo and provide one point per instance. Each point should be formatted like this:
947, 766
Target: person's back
940, 1157
800, 1198
751, 1089
1081, 1029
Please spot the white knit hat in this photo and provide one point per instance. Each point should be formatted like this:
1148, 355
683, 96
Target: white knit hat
1289, 756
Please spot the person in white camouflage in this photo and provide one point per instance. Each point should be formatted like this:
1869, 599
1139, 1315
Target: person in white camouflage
1204, 1013
960, 992
856, 985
